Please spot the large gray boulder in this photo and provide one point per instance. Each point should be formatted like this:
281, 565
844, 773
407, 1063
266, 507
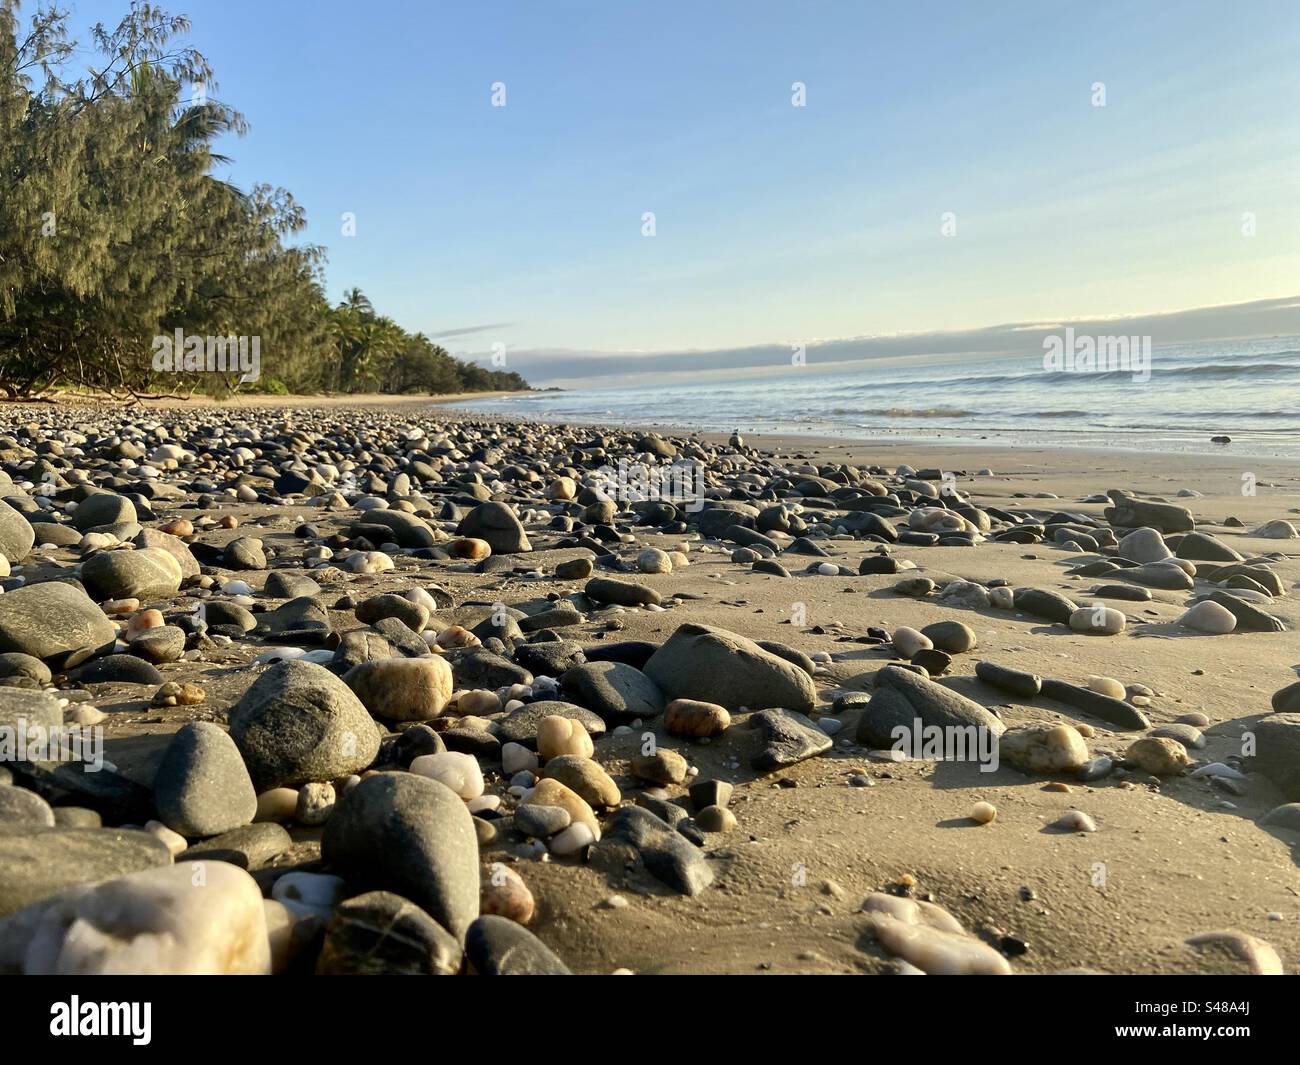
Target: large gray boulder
16, 534
718, 666
103, 508
411, 835
903, 697
299, 723
498, 524
202, 787
53, 621
145, 573
1277, 752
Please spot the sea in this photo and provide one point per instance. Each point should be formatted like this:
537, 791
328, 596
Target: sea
1248, 390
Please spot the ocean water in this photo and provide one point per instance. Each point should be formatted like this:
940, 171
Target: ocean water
1248, 390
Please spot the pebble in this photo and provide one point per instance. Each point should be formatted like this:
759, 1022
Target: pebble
315, 803
1043, 749
382, 934
1259, 956
695, 718
908, 641
457, 771
574, 839
505, 894
173, 841
557, 736
1075, 821
402, 689
1107, 686
201, 787
540, 821
309, 894
716, 819
1097, 621
1209, 617
516, 758
498, 946
662, 766
1158, 755
277, 804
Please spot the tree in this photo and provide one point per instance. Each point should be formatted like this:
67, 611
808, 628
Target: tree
116, 232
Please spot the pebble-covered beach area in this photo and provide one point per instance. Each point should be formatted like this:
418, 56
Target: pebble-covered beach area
347, 689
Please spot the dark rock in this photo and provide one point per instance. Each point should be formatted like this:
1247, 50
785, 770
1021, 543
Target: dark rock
1044, 603
617, 692
717, 666
286, 584
1024, 685
498, 524
788, 738
54, 621
382, 934
551, 658
480, 668
636, 833
299, 723
1277, 752
1202, 547
706, 793
1250, 618
1116, 711
498, 946
522, 725
201, 787
634, 653
36, 865
248, 846
116, 669
622, 593
902, 698
411, 835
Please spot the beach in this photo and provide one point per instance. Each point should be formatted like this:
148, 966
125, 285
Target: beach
823, 819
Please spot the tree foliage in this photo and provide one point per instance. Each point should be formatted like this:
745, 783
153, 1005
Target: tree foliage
115, 230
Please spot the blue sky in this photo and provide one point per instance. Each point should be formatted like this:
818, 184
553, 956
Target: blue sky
774, 223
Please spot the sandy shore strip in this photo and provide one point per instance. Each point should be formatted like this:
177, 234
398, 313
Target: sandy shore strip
1097, 843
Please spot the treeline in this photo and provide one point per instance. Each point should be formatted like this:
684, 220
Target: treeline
115, 233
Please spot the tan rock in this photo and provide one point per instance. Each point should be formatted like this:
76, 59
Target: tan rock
402, 689
695, 718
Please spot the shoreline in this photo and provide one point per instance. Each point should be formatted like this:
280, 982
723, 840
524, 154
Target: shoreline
1242, 446
856, 440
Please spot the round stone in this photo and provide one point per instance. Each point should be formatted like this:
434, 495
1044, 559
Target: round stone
1209, 617
459, 772
1097, 620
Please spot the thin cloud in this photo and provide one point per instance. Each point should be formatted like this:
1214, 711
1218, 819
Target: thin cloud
469, 330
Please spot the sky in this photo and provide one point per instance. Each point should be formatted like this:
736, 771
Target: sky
522, 225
